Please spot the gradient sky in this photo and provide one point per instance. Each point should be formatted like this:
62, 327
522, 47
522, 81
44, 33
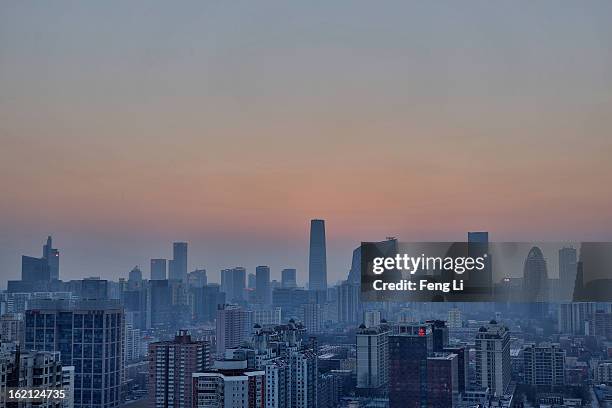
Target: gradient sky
127, 125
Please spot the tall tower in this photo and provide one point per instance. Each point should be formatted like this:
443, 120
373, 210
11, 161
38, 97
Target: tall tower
568, 261
178, 270
317, 260
52, 256
158, 269
262, 285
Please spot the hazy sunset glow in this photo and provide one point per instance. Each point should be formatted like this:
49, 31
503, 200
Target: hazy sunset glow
125, 126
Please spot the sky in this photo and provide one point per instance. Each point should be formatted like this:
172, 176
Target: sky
125, 126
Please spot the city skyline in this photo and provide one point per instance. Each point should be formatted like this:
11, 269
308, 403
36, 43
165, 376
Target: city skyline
230, 127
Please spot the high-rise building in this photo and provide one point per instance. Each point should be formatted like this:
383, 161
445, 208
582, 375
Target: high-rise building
262, 288
348, 302
288, 278
158, 269
568, 262
409, 348
229, 384
88, 334
573, 316
233, 284
135, 275
45, 268
454, 318
178, 270
493, 365
204, 302
535, 277
442, 381
231, 327
462, 365
251, 281
482, 281
34, 269
51, 255
11, 328
544, 364
439, 333
197, 278
171, 367
312, 316
372, 318
372, 358
317, 261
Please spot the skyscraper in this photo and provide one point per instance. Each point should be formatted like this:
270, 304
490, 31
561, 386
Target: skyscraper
178, 271
567, 272
89, 336
408, 352
252, 281
45, 268
158, 269
317, 261
233, 284
535, 283
288, 278
493, 366
52, 256
171, 367
262, 289
442, 380
135, 275
34, 269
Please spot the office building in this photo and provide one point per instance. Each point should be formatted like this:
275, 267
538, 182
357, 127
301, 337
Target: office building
573, 316
262, 286
88, 334
158, 269
409, 348
442, 381
288, 278
171, 367
568, 261
317, 260
34, 269
544, 364
233, 284
197, 278
493, 366
51, 255
178, 269
463, 358
204, 302
348, 302
135, 276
